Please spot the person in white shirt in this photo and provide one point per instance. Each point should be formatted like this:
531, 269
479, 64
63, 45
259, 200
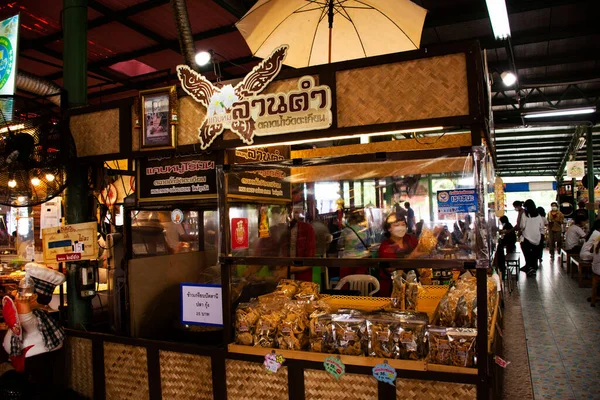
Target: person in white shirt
575, 236
592, 238
532, 233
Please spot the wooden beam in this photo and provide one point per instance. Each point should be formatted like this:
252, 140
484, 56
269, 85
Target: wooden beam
38, 43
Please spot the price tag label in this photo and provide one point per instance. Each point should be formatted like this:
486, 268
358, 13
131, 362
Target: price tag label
501, 362
335, 367
385, 373
273, 362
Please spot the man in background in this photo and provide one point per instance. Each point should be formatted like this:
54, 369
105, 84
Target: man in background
555, 222
410, 217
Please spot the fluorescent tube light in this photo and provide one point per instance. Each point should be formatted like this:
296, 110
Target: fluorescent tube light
561, 113
324, 139
499, 18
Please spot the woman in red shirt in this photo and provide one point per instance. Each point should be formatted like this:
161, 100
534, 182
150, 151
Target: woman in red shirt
398, 244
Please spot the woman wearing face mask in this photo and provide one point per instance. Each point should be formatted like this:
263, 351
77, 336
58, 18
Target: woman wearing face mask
532, 228
398, 244
555, 222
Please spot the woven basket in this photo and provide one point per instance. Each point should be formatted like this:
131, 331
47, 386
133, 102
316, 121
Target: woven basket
320, 385
185, 376
125, 371
94, 132
79, 366
411, 389
248, 381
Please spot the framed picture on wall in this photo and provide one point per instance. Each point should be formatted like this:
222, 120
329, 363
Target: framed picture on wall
158, 118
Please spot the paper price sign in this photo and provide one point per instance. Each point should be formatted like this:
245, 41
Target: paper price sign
201, 304
385, 373
273, 362
334, 366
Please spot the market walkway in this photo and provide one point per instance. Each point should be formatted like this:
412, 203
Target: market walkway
563, 334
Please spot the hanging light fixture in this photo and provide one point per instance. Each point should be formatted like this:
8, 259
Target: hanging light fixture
49, 177
202, 58
12, 183
508, 78
35, 181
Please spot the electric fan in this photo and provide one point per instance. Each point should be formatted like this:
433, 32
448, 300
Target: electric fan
34, 156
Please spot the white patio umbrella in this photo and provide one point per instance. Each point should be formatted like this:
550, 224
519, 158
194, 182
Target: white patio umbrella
322, 31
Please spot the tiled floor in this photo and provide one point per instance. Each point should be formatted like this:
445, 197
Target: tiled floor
563, 334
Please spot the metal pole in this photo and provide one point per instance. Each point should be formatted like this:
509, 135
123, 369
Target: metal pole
431, 197
75, 83
590, 173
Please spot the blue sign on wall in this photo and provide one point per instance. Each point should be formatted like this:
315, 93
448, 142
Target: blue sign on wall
457, 201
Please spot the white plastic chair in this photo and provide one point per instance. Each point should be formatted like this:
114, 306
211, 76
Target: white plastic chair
360, 283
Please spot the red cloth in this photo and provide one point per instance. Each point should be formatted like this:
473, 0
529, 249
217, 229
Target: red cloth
390, 249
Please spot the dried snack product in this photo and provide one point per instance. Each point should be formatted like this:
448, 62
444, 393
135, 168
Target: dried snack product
276, 298
349, 334
409, 335
466, 309
266, 329
439, 345
246, 316
381, 341
292, 333
462, 346
288, 287
398, 291
411, 297
321, 334
307, 291
425, 276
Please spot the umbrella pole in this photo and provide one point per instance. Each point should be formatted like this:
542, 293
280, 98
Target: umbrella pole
330, 14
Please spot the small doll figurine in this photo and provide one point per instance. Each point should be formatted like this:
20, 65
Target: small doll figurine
32, 331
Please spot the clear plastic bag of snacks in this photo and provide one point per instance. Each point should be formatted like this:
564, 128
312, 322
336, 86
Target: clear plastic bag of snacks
349, 334
439, 345
462, 346
246, 316
380, 331
288, 287
409, 335
292, 333
266, 329
307, 291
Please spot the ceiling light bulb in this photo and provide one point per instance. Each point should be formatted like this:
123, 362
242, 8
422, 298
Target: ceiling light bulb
21, 199
202, 58
508, 78
499, 18
35, 181
49, 177
12, 183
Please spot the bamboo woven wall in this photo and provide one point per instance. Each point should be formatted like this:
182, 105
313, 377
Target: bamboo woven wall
185, 376
125, 371
320, 385
406, 91
251, 381
96, 133
79, 366
410, 389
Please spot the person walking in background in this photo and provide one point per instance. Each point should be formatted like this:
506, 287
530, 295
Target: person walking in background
542, 213
575, 236
410, 217
518, 205
555, 221
508, 240
532, 231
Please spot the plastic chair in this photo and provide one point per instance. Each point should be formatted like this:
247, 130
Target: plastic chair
360, 283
